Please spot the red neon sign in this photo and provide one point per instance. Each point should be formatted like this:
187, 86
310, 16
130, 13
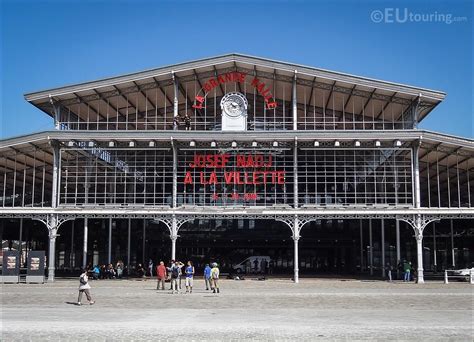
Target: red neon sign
253, 170
236, 77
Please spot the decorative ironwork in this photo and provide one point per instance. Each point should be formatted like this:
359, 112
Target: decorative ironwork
419, 223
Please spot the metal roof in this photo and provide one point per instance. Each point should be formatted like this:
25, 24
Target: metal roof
246, 59
96, 94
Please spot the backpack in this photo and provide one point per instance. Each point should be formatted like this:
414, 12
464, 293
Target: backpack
82, 281
174, 272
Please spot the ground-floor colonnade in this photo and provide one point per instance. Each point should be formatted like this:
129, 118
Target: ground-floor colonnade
308, 243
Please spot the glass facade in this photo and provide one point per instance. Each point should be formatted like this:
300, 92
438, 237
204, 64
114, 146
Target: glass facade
320, 161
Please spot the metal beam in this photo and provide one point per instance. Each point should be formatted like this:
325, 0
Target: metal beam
349, 98
429, 151
312, 91
220, 85
238, 83
190, 100
413, 102
128, 103
146, 99
329, 97
89, 106
115, 109
362, 111
386, 105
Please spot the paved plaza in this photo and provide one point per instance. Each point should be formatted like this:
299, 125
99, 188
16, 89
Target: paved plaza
250, 310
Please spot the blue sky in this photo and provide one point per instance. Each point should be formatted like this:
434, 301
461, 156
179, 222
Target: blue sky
47, 44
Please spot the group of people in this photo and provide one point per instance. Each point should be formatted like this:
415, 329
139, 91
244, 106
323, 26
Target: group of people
107, 271
186, 119
174, 273
262, 266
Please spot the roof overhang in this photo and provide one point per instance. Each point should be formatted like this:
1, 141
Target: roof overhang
431, 142
347, 85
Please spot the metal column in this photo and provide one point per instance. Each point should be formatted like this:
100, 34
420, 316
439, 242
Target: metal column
382, 228
453, 259
397, 232
72, 256
129, 235
175, 174
371, 249
175, 101
84, 246
144, 241
57, 113
173, 248
174, 226
53, 229
56, 171
416, 171
419, 256
20, 247
294, 104
109, 249
51, 255
435, 261
296, 237
295, 174
418, 228
361, 246
174, 237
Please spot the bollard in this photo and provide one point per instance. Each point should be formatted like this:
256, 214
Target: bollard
471, 277
446, 277
390, 276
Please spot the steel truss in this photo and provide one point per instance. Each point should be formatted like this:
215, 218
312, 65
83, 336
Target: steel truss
148, 117
420, 221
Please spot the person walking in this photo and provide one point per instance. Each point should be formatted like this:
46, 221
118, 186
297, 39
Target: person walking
84, 287
161, 273
215, 278
189, 272
207, 276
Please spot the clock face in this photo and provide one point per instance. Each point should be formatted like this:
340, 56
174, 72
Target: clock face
234, 104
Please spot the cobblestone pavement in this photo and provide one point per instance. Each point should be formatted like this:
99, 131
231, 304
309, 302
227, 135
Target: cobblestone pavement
250, 310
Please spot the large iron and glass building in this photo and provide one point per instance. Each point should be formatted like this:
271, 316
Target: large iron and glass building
232, 156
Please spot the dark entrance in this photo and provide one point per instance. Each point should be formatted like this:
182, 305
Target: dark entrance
326, 246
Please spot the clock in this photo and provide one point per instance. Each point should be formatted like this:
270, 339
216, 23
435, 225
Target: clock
234, 105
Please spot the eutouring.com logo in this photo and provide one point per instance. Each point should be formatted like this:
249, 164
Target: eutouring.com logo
392, 15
